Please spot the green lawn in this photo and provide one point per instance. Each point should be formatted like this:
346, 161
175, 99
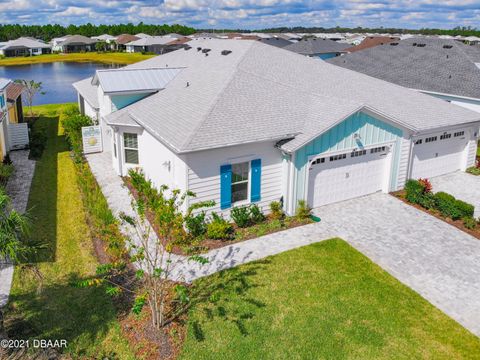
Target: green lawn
115, 57
84, 317
323, 301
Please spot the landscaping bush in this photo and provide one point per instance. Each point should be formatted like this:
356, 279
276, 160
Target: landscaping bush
427, 185
219, 228
241, 216
414, 191
427, 200
447, 205
38, 140
72, 123
470, 223
196, 224
6, 170
474, 170
276, 211
465, 209
256, 215
303, 210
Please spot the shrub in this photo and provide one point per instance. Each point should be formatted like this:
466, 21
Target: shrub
465, 209
474, 170
427, 185
38, 140
427, 200
303, 210
196, 224
276, 210
256, 215
241, 216
6, 170
72, 124
470, 223
219, 228
414, 191
447, 205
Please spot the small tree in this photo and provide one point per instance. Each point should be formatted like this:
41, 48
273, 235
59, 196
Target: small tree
101, 46
151, 255
32, 88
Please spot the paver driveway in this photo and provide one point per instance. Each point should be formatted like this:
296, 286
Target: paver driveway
463, 186
435, 259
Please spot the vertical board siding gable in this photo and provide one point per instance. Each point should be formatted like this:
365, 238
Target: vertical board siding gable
341, 137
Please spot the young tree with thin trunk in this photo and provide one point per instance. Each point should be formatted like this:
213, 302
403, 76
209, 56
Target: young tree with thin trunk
32, 89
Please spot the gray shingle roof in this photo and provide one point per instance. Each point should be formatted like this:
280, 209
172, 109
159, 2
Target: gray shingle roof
276, 41
312, 46
134, 80
430, 68
260, 92
88, 91
25, 42
78, 39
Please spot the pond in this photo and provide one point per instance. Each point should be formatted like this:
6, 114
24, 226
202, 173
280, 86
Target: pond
56, 78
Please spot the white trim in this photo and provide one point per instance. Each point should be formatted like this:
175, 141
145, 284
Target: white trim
445, 94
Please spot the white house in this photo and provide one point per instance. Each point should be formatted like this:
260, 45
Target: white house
24, 46
241, 122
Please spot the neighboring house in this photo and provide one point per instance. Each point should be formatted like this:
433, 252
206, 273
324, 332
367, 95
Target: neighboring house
142, 36
105, 37
318, 48
252, 123
276, 41
73, 43
154, 44
14, 102
288, 36
24, 46
124, 39
88, 99
12, 135
372, 41
447, 69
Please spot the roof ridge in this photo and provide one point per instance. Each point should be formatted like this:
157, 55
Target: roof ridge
214, 102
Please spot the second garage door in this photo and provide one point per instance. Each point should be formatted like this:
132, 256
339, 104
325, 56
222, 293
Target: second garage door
438, 154
348, 175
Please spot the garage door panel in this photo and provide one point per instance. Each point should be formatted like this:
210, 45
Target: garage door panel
437, 158
334, 181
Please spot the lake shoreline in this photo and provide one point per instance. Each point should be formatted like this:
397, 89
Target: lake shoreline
105, 58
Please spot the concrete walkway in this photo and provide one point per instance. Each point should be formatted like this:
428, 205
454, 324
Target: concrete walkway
433, 258
18, 188
463, 186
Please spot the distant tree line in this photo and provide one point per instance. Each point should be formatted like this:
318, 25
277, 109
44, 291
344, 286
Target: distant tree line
48, 32
459, 30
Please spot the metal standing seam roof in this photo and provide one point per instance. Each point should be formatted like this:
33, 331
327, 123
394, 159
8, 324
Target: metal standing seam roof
312, 46
153, 40
4, 82
134, 80
259, 92
431, 67
88, 91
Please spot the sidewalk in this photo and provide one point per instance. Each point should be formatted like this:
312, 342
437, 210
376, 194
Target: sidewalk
18, 188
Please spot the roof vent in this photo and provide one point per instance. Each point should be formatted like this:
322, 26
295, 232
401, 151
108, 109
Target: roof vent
205, 51
199, 48
414, 44
420, 45
187, 47
447, 46
393, 44
226, 52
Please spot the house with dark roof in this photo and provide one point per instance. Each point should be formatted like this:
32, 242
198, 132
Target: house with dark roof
445, 68
73, 43
122, 40
318, 48
372, 41
24, 46
276, 41
242, 122
157, 44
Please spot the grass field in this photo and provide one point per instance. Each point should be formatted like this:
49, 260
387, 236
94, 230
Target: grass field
323, 301
86, 318
107, 58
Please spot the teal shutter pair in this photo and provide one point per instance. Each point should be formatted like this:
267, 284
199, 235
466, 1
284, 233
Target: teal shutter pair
226, 183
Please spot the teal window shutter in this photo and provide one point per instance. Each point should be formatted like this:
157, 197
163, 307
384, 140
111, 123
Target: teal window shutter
225, 186
256, 180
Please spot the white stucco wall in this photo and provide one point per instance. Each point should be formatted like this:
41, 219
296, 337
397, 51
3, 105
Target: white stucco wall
204, 172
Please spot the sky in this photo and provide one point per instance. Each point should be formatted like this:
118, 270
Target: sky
247, 14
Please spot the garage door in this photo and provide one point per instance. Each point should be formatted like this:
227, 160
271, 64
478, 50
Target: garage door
438, 154
345, 176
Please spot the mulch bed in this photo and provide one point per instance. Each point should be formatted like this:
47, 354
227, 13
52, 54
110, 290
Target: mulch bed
457, 223
209, 244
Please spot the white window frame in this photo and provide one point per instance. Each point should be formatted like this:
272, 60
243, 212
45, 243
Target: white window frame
247, 200
125, 148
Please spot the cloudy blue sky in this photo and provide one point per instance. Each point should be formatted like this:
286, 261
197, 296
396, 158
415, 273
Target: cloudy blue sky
247, 14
